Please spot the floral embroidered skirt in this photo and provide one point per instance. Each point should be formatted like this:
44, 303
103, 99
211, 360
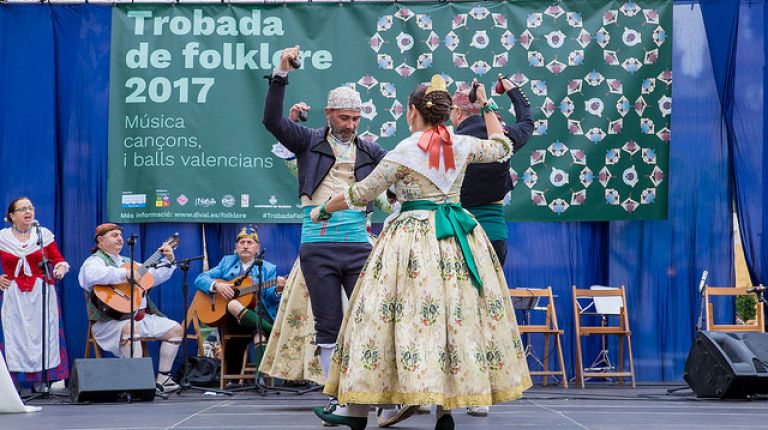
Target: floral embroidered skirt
291, 352
418, 332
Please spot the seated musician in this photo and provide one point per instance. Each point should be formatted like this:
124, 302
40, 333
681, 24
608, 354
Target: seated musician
219, 280
113, 335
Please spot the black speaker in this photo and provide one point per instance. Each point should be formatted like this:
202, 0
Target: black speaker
112, 379
728, 365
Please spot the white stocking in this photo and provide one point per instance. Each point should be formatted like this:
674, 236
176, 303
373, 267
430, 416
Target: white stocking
352, 410
168, 350
125, 348
326, 352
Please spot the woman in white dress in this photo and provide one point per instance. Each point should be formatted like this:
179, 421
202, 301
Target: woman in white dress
22, 281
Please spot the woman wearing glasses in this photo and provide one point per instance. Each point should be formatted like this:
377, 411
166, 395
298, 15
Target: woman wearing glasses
21, 282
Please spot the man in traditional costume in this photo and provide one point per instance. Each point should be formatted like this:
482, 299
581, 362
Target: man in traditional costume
104, 267
486, 184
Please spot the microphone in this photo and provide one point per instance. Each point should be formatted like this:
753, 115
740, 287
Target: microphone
757, 289
35, 223
132, 239
703, 281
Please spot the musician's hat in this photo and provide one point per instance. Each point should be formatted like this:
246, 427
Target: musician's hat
101, 230
248, 231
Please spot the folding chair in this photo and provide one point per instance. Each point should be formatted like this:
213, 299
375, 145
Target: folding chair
607, 302
710, 292
224, 337
527, 299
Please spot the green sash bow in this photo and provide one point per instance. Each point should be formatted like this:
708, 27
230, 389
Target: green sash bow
451, 221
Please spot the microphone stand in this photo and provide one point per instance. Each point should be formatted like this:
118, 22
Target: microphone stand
258, 387
702, 304
699, 323
44, 265
184, 383
131, 282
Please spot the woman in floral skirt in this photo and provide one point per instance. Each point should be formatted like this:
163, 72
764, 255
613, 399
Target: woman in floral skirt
430, 320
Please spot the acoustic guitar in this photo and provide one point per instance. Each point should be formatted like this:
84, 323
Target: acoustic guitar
115, 300
212, 308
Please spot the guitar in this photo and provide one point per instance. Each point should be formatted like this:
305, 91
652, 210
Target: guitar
115, 300
212, 308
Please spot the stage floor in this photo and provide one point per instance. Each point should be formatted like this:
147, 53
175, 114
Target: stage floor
597, 407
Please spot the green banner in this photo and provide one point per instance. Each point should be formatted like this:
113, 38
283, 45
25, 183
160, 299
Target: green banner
186, 143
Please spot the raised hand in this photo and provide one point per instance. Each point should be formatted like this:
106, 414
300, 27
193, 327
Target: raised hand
286, 57
294, 114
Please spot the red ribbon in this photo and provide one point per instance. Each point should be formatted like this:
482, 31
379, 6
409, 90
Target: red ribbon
434, 139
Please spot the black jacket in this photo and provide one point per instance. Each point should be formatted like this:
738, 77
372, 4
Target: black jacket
489, 182
314, 154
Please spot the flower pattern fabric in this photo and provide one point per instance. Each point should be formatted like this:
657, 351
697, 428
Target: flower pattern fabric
291, 351
417, 331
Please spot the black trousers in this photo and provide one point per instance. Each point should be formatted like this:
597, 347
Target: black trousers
327, 268
500, 246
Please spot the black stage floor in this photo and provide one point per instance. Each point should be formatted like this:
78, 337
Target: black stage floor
596, 407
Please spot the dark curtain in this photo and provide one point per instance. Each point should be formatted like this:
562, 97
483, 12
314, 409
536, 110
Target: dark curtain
53, 136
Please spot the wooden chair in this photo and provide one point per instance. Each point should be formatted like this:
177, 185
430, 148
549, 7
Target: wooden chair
90, 342
709, 292
224, 337
602, 296
548, 329
194, 323
252, 367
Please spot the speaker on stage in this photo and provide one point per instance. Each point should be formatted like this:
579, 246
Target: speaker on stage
728, 365
112, 379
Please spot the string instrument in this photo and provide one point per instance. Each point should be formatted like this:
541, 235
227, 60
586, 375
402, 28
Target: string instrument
115, 300
212, 308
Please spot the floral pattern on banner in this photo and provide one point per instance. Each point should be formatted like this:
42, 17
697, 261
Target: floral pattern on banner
598, 77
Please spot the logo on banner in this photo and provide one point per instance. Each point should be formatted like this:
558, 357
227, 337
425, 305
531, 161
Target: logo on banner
162, 199
272, 200
182, 200
130, 200
245, 200
228, 201
205, 202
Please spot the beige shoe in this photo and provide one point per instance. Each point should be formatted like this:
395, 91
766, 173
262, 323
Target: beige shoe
386, 418
478, 411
